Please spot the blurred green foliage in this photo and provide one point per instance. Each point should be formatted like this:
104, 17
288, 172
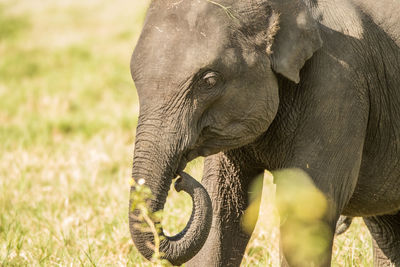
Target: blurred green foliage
11, 26
302, 207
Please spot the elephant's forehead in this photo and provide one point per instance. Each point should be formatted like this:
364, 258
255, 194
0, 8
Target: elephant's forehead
177, 40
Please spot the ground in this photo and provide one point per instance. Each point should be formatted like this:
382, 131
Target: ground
68, 111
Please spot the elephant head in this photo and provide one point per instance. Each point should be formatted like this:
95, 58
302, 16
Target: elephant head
206, 76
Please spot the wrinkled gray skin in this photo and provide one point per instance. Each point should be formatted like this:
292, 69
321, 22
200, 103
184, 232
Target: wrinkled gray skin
269, 84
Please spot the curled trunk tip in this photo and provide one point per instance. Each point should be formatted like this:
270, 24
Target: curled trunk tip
185, 245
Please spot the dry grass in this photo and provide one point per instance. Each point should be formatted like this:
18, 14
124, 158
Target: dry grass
68, 111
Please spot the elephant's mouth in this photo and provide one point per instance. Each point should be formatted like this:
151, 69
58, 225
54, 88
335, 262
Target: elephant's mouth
188, 157
191, 155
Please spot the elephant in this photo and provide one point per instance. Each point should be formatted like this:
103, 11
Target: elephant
255, 85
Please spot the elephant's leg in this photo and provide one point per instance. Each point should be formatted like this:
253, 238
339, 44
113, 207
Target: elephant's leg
227, 177
385, 231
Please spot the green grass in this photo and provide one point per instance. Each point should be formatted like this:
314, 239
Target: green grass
68, 111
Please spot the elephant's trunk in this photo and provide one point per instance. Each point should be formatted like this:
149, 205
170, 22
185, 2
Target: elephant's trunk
156, 162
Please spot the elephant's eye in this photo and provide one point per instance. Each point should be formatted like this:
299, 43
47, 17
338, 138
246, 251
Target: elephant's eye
210, 79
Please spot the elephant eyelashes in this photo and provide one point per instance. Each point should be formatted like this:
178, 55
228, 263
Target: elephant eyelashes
210, 80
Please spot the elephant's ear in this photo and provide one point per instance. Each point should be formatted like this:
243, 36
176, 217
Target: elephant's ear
296, 37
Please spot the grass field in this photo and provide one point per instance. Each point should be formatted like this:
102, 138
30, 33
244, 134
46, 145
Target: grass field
68, 111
